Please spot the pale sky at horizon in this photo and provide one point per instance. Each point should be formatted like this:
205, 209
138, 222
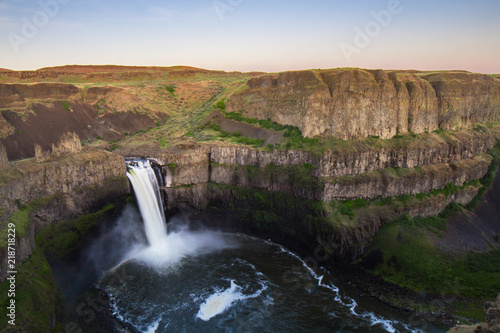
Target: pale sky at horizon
252, 35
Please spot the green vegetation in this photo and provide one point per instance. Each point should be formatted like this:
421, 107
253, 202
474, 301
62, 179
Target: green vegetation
349, 207
487, 180
60, 241
87, 142
221, 104
294, 139
100, 106
405, 254
21, 219
293, 135
170, 88
66, 105
234, 137
37, 296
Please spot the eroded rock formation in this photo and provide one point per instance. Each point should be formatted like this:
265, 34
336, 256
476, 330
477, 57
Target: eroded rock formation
57, 190
351, 103
68, 144
202, 176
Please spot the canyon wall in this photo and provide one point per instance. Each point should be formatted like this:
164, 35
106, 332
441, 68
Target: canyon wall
349, 103
250, 185
429, 149
36, 195
420, 165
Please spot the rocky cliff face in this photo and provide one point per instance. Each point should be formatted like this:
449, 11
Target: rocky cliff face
230, 178
354, 103
6, 129
465, 99
68, 144
295, 222
425, 164
57, 190
432, 149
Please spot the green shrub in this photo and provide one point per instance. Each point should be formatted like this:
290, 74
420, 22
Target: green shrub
222, 104
349, 206
171, 89
66, 105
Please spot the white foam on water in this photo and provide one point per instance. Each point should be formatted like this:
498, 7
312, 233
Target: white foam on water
351, 306
115, 311
219, 302
153, 327
387, 324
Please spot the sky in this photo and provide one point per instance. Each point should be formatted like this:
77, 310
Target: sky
253, 35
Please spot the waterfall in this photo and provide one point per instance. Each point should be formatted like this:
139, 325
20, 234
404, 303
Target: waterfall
147, 191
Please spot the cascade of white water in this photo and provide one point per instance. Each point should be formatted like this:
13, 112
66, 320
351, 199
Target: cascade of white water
147, 192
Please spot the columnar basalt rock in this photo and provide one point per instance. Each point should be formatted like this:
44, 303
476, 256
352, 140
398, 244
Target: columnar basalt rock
202, 176
349, 103
465, 99
437, 150
69, 144
58, 190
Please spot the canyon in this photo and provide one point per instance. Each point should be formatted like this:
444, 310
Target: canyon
394, 144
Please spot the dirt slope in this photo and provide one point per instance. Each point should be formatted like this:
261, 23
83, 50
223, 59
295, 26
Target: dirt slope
46, 124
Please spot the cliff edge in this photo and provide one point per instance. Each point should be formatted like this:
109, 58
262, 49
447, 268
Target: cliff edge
349, 103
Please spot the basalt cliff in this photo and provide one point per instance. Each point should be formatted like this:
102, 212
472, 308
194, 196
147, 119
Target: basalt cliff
57, 186
317, 160
355, 103
364, 106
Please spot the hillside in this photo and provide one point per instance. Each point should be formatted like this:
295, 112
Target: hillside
99, 102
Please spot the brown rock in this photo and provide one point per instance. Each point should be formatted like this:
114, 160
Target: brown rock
349, 103
62, 189
68, 144
4, 160
10, 94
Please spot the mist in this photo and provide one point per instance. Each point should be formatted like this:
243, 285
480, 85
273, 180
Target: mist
126, 240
